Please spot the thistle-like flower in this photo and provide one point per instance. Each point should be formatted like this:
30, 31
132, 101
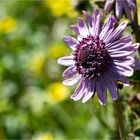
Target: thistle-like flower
100, 57
128, 6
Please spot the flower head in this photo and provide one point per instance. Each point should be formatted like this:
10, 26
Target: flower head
100, 57
128, 6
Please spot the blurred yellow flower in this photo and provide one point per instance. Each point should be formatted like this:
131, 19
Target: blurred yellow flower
46, 136
57, 50
138, 5
7, 24
56, 93
37, 62
61, 7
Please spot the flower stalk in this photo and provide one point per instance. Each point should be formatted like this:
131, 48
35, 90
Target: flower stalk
119, 117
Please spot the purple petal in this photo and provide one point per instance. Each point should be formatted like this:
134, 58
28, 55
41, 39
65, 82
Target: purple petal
116, 34
70, 41
112, 72
80, 38
82, 27
122, 53
108, 5
124, 70
136, 46
66, 61
122, 50
96, 22
124, 81
111, 86
90, 22
109, 24
107, 35
80, 91
69, 72
90, 92
127, 10
101, 91
75, 29
122, 41
124, 60
118, 9
132, 5
71, 81
88, 17
136, 65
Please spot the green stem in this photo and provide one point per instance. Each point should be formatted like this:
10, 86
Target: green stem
119, 117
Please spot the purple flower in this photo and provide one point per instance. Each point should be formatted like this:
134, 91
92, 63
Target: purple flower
100, 57
128, 6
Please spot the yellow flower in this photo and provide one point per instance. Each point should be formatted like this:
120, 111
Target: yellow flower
138, 5
46, 136
7, 24
57, 50
61, 7
57, 92
37, 62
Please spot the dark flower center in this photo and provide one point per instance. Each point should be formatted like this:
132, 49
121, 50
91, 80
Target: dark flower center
91, 56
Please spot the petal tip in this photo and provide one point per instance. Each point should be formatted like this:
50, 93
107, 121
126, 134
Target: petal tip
66, 83
115, 98
96, 10
59, 60
84, 12
101, 102
136, 45
125, 23
83, 101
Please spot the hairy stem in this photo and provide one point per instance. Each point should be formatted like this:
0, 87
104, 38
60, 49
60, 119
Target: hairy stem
119, 117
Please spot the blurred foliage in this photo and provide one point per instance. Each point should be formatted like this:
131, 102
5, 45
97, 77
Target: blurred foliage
33, 102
